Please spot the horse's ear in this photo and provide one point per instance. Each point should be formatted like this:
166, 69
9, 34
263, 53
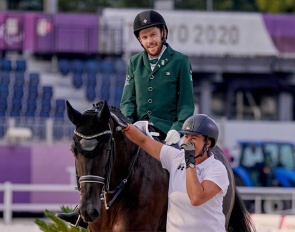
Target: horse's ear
104, 115
74, 115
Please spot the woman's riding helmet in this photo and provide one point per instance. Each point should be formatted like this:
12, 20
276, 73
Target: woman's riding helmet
146, 19
203, 125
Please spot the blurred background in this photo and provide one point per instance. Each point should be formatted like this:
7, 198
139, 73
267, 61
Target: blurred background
243, 61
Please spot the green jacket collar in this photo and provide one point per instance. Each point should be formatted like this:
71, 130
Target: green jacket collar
165, 59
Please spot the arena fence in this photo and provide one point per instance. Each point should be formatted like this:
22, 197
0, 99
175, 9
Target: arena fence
8, 207
271, 195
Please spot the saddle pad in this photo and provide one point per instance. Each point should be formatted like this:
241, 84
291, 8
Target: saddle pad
143, 126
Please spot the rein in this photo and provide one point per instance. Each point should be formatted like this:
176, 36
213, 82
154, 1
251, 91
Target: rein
102, 180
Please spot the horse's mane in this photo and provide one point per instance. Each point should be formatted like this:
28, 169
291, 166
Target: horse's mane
113, 109
97, 106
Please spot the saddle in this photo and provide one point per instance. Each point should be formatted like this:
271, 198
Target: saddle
149, 129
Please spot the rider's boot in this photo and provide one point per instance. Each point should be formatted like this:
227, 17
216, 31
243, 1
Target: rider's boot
73, 218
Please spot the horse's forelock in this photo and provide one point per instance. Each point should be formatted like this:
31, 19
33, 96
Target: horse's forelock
90, 124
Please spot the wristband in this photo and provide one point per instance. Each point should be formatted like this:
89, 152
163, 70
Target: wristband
127, 128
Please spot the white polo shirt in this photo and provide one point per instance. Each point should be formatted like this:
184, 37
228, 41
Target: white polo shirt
182, 216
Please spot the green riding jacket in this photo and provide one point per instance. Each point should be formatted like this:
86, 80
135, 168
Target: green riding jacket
165, 94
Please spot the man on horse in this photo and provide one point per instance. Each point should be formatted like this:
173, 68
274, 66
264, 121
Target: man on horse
159, 79
198, 182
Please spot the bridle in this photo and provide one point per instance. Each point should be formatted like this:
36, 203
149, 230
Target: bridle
100, 179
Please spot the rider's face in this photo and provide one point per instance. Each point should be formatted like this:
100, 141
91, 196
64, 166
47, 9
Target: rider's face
198, 140
151, 40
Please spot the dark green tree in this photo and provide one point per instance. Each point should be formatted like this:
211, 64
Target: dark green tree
90, 6
276, 6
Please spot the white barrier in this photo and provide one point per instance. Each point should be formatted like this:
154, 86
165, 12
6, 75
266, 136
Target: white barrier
256, 194
8, 207
259, 194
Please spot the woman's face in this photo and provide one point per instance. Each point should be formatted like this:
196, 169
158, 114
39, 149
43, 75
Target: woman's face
198, 140
151, 40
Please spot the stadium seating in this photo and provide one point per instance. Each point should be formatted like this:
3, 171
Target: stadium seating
34, 79
77, 80
92, 67
90, 93
64, 66
6, 65
25, 98
4, 78
91, 79
77, 66
60, 106
20, 65
19, 78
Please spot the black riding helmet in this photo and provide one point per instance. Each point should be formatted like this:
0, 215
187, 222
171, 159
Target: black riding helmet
203, 125
146, 19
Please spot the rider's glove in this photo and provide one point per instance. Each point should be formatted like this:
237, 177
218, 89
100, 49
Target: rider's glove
172, 137
189, 153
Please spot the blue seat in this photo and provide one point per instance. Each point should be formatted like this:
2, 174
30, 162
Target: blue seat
90, 93
29, 114
120, 80
117, 103
105, 94
18, 91
92, 67
77, 66
91, 80
120, 67
107, 66
64, 66
4, 91
20, 65
118, 92
44, 114
16, 104
46, 103
34, 79
4, 78
2, 115
60, 107
19, 78
106, 80
45, 108
6, 65
31, 105
33, 92
77, 80
14, 113
3, 104
47, 92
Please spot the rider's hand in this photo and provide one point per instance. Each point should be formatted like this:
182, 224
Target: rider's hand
189, 152
172, 137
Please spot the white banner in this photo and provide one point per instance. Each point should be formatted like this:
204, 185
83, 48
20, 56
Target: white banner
208, 33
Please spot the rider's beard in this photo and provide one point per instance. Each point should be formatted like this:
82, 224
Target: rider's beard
155, 51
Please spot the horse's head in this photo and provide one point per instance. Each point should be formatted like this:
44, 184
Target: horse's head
92, 148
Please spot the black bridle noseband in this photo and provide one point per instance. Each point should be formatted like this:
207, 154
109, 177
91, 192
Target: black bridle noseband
99, 179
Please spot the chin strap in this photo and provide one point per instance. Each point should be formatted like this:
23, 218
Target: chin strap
205, 149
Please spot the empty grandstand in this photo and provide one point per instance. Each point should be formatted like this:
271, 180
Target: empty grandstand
242, 64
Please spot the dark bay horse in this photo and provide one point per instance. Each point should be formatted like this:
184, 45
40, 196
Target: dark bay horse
122, 187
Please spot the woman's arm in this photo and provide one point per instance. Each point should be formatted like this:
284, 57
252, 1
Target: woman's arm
151, 146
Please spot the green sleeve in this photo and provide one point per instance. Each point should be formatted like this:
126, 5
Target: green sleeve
185, 107
128, 100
